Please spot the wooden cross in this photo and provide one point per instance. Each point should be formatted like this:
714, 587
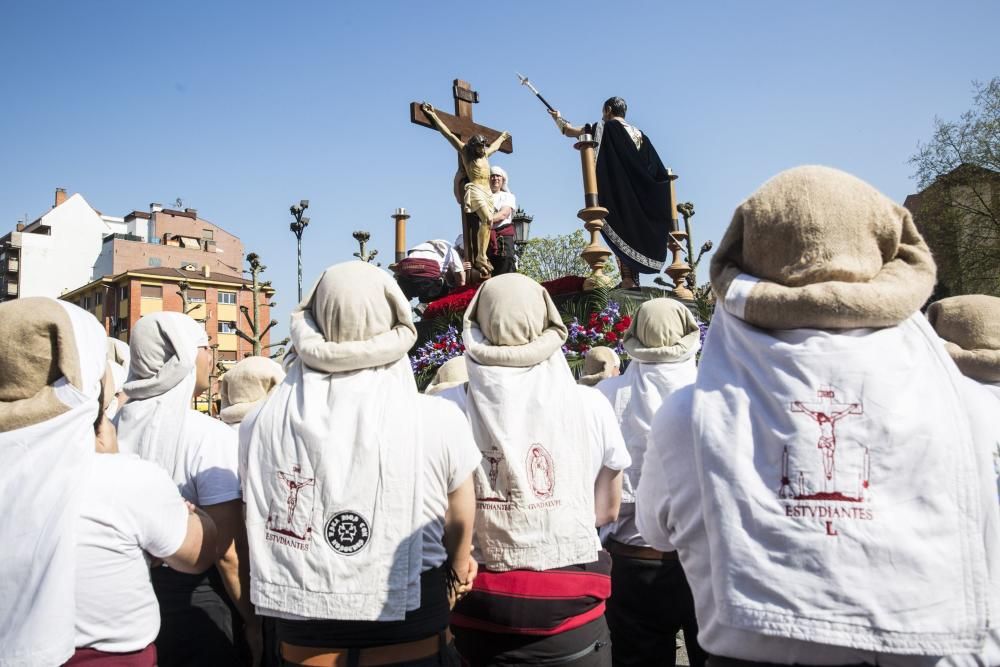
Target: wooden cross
463, 127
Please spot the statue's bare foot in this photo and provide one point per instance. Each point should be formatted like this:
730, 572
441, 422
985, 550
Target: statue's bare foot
484, 267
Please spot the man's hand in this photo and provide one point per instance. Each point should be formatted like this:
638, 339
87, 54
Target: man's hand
555, 114
427, 109
463, 583
505, 135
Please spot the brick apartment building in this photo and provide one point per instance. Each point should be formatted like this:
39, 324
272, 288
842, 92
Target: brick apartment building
120, 269
73, 244
213, 299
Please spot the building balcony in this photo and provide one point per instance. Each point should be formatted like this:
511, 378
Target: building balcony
13, 265
11, 289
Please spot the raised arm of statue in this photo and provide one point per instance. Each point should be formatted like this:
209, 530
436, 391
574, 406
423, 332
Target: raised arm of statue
495, 146
441, 127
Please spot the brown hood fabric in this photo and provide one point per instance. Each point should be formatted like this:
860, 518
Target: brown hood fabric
245, 385
37, 347
971, 326
518, 319
599, 364
451, 374
354, 317
663, 330
830, 251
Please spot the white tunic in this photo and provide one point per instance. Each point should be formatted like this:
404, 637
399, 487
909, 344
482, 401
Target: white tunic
852, 500
128, 508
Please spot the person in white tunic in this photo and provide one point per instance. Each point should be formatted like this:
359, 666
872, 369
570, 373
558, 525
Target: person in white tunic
551, 472
600, 363
244, 387
430, 270
170, 365
501, 249
118, 362
81, 517
650, 598
970, 325
452, 374
890, 553
358, 489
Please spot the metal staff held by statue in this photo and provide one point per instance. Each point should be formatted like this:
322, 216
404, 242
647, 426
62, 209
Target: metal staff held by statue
525, 82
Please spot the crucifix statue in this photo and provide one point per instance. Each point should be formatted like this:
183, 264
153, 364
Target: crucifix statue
474, 143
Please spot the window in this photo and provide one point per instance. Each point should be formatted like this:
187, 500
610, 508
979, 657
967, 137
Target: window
227, 298
227, 355
123, 293
227, 327
196, 295
154, 261
99, 298
85, 302
208, 234
152, 291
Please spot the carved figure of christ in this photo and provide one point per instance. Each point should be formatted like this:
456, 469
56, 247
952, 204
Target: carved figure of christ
478, 198
827, 429
294, 484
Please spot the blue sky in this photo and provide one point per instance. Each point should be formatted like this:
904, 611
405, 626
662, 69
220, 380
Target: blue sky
242, 108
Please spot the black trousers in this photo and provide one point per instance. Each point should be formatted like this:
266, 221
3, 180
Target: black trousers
196, 620
650, 601
586, 646
503, 261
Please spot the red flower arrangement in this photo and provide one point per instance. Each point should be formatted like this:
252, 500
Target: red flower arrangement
458, 301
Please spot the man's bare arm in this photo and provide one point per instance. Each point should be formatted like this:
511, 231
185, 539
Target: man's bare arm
231, 553
607, 496
458, 522
441, 127
197, 553
495, 146
501, 215
564, 127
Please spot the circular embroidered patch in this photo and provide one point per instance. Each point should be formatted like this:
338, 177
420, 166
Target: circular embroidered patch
347, 532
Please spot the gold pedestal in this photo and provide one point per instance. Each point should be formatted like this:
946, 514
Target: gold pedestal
595, 254
678, 269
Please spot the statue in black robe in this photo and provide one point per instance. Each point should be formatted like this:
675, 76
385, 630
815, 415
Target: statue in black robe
634, 186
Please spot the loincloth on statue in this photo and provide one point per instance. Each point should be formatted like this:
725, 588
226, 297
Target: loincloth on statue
479, 200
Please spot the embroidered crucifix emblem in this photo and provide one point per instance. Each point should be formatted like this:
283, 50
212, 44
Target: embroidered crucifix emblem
282, 523
826, 412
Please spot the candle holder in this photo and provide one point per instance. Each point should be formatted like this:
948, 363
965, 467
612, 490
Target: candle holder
595, 254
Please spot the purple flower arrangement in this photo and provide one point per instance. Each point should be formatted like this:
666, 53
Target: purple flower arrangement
439, 349
603, 329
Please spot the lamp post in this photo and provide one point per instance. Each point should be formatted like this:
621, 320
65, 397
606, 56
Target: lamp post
522, 225
297, 228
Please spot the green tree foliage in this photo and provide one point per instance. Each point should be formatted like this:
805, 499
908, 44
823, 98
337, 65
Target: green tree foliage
958, 209
549, 257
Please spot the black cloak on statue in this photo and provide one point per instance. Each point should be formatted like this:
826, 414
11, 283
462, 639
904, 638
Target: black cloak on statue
633, 185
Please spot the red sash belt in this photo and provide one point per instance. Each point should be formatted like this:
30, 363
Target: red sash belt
91, 657
527, 602
415, 267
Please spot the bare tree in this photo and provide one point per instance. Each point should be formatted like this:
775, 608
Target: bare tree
362, 237
257, 334
183, 288
958, 209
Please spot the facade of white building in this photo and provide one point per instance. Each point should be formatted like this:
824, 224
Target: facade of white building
57, 252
